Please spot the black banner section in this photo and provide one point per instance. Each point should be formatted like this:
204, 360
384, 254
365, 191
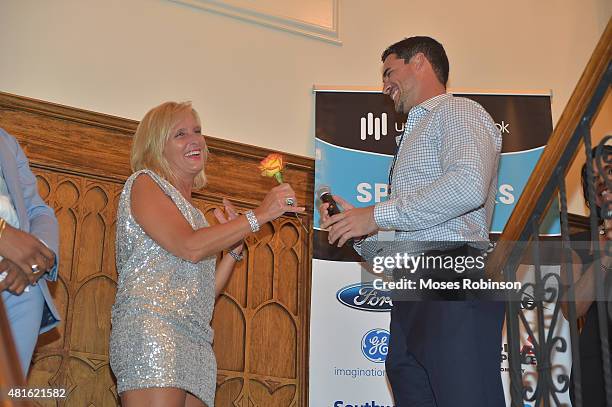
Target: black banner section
525, 121
358, 120
368, 122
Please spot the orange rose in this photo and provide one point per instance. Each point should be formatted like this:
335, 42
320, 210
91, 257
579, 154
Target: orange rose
271, 166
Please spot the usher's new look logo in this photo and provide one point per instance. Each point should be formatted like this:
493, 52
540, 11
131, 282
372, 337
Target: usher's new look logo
373, 126
503, 127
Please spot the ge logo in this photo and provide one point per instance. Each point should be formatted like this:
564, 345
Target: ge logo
375, 345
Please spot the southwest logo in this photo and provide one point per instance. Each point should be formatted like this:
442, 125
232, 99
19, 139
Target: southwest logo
364, 297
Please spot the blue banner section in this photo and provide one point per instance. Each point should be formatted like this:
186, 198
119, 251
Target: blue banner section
360, 177
524, 121
514, 171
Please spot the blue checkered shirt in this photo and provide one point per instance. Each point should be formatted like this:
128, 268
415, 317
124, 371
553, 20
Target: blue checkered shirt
444, 180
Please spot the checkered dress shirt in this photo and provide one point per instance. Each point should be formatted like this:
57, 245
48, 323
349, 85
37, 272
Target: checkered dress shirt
444, 180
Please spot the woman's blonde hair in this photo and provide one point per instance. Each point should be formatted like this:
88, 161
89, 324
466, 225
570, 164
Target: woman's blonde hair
150, 139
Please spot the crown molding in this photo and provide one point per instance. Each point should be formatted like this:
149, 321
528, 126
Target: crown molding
294, 24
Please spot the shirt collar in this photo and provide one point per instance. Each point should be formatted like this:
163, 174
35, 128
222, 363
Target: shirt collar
420, 110
431, 103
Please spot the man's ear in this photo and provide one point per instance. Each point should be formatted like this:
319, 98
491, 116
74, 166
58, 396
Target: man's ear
419, 61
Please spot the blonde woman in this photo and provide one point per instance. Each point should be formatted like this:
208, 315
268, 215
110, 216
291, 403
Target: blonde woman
161, 339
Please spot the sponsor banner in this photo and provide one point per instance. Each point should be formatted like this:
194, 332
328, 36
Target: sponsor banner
353, 158
354, 147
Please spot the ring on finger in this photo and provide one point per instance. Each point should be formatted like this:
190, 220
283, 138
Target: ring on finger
35, 269
290, 201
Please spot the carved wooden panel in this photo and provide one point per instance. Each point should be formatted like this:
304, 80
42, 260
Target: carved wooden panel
261, 319
258, 316
75, 355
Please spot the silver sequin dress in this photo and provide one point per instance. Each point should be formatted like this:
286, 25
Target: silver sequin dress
161, 334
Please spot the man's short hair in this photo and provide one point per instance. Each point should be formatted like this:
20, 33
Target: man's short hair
432, 49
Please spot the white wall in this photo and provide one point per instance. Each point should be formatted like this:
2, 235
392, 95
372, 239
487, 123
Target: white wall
253, 84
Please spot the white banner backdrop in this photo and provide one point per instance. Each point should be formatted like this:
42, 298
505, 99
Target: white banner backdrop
348, 344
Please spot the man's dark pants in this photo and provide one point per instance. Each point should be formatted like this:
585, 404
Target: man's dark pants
446, 353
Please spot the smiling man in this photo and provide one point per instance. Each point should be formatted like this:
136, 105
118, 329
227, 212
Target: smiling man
442, 185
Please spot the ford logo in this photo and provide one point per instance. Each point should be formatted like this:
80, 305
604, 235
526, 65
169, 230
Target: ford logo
363, 296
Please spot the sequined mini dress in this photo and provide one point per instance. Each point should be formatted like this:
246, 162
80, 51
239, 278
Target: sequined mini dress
161, 334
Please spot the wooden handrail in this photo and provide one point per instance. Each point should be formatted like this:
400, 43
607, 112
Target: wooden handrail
544, 172
10, 369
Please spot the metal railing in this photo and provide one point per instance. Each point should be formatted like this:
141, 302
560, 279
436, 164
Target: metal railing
548, 288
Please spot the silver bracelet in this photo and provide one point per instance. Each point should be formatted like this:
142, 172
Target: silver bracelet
236, 256
250, 215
